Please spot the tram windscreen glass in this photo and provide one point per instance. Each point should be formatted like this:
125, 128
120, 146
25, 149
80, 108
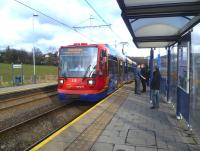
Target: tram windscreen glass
78, 62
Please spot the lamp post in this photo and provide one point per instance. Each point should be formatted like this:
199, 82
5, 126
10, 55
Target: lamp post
34, 74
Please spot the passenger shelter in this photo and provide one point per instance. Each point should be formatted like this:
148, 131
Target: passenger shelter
175, 26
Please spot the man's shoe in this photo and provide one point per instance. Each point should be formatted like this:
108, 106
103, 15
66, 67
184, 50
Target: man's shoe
152, 107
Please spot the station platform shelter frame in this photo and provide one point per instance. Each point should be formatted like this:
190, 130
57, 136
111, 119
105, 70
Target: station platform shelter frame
169, 24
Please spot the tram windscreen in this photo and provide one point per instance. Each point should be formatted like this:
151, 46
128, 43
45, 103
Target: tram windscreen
78, 62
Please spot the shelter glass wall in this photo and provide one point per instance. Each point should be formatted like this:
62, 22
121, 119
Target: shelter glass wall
183, 66
173, 75
183, 94
195, 82
163, 71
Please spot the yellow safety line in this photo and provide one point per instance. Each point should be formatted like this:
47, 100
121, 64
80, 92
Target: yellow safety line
37, 147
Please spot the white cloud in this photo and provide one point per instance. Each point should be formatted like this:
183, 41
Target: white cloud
17, 24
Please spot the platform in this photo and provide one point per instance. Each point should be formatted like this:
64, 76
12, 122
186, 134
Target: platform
123, 122
14, 89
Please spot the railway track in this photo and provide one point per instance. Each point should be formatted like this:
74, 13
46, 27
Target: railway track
20, 100
34, 129
16, 108
30, 119
10, 97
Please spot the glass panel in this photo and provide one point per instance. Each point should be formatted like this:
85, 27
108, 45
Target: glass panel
176, 22
153, 44
153, 2
162, 56
113, 71
154, 30
173, 75
183, 68
78, 62
161, 61
195, 82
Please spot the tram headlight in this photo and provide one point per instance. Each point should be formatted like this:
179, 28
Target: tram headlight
61, 81
91, 82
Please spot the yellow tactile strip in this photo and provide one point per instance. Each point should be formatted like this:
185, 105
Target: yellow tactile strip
89, 136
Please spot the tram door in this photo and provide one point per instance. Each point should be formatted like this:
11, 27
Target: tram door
183, 90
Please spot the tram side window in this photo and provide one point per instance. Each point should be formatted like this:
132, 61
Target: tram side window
126, 68
112, 67
121, 70
116, 67
129, 69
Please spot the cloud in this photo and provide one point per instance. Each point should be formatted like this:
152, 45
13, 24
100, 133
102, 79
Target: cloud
17, 24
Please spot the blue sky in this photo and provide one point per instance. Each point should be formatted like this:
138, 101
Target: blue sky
16, 28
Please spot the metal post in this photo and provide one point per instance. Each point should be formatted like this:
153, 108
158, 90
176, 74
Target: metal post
22, 74
13, 75
151, 69
34, 73
151, 64
168, 72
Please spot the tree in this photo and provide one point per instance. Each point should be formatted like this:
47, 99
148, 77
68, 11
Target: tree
11, 55
38, 56
16, 56
50, 59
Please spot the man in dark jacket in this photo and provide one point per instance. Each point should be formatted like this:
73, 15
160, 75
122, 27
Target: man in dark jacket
155, 87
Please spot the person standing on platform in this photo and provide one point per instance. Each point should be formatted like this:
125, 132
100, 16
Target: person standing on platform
143, 77
155, 87
137, 80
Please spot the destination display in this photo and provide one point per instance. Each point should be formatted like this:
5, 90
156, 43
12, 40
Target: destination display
71, 51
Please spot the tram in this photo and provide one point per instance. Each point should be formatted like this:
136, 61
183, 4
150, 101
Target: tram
90, 72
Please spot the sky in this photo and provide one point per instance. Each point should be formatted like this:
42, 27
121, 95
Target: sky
20, 29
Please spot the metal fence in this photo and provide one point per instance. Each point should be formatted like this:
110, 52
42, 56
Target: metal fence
29, 80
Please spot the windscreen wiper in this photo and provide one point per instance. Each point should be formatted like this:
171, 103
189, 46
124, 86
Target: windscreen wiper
88, 68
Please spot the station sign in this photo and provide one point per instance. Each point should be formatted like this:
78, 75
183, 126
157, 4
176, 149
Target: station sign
17, 66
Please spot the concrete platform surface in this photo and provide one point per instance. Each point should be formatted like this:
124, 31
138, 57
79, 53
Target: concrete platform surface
124, 122
13, 89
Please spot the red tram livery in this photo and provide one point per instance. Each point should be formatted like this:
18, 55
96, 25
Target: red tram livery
91, 72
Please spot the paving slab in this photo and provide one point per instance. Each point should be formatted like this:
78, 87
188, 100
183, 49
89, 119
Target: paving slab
138, 137
102, 147
123, 148
146, 149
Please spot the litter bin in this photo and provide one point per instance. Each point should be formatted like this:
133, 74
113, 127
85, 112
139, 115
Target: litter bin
18, 80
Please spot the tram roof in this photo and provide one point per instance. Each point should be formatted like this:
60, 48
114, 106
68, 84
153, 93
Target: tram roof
159, 23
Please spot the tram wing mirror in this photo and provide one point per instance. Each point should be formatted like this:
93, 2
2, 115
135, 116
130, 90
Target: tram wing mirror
103, 57
103, 54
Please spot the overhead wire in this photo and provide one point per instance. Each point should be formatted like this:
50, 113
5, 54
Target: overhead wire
102, 19
95, 11
55, 20
110, 27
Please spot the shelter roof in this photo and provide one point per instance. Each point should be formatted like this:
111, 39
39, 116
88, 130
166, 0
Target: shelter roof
159, 23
